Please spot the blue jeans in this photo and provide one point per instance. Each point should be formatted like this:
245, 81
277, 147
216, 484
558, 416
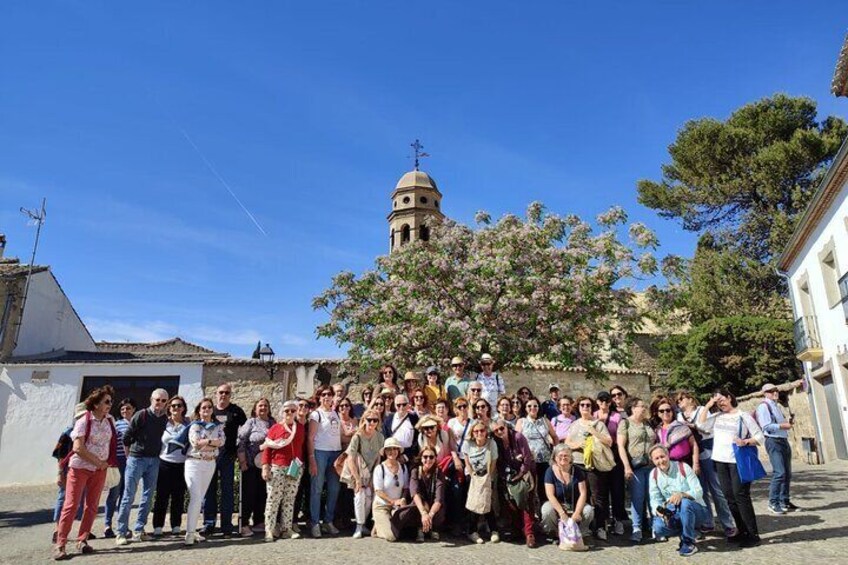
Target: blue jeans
113, 497
713, 495
780, 456
326, 473
225, 472
639, 495
146, 471
60, 502
689, 516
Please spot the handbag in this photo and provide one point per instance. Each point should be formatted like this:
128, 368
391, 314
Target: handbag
520, 492
113, 478
339, 463
599, 457
747, 460
570, 538
294, 468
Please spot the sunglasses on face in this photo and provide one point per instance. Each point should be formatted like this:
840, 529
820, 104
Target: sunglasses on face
158, 400
585, 405
323, 394
418, 397
461, 406
427, 457
225, 392
476, 389
372, 420
500, 429
289, 411
379, 404
486, 363
617, 394
429, 428
303, 406
530, 406
605, 401
479, 431
516, 403
344, 406
457, 365
401, 404
481, 407
665, 411
177, 405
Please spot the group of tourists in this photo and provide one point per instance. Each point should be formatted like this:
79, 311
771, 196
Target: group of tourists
420, 458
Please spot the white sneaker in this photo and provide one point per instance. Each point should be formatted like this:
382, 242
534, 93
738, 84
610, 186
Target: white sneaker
601, 534
190, 539
475, 537
358, 533
121, 539
495, 537
199, 537
294, 535
329, 529
316, 531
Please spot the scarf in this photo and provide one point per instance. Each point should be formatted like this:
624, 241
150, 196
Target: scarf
181, 441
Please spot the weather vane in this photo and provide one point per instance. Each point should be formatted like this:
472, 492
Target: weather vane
419, 154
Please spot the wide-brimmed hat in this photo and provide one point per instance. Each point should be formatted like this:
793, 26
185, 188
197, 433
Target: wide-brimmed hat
411, 376
387, 390
390, 443
428, 420
768, 387
457, 361
80, 410
486, 358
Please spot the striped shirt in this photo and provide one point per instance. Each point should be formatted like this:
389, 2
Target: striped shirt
121, 426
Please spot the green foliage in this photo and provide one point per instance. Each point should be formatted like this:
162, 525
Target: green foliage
740, 353
748, 178
545, 286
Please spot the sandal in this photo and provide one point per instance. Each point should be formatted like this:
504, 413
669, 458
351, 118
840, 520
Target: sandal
59, 553
84, 548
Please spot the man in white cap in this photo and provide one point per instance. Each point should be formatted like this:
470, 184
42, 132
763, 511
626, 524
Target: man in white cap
457, 384
776, 429
493, 384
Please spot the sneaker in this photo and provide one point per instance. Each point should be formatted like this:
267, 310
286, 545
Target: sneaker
269, 538
59, 553
601, 534
91, 535
140, 535
293, 534
190, 539
121, 540
357, 534
246, 532
419, 536
730, 532
157, 532
475, 538
434, 535
531, 541
636, 536
660, 539
295, 528
316, 531
495, 537
199, 537
176, 531
706, 528
618, 528
109, 533
329, 529
776, 509
789, 507
259, 528
686, 550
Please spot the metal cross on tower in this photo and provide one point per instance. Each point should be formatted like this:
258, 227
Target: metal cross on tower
419, 154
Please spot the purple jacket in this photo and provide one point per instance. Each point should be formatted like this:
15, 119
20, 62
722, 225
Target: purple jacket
515, 453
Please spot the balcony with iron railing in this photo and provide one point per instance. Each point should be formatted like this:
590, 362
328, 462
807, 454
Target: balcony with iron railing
807, 343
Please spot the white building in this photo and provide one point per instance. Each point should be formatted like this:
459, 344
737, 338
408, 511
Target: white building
49, 362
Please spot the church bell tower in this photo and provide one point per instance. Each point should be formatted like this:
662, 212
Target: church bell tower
416, 202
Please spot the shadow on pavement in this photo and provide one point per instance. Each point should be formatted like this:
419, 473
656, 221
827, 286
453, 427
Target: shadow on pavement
12, 519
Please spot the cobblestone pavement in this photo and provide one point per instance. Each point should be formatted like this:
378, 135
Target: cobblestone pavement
815, 535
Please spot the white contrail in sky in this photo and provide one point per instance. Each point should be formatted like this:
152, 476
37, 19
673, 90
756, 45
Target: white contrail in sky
222, 181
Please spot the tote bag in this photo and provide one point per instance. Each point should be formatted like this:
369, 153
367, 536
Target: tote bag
747, 460
570, 538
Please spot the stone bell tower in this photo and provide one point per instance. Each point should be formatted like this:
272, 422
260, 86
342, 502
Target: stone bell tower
416, 201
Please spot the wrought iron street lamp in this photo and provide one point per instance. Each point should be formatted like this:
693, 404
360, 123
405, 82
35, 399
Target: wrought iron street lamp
266, 356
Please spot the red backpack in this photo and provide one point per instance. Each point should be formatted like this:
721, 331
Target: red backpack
680, 467
65, 463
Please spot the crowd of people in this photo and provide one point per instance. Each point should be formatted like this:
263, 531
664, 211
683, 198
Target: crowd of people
418, 458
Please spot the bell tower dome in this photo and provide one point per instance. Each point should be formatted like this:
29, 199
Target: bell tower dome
416, 202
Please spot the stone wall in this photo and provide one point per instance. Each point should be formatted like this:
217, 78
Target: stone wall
799, 406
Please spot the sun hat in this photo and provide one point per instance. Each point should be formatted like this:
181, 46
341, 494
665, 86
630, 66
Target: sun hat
428, 420
389, 444
457, 361
768, 387
411, 376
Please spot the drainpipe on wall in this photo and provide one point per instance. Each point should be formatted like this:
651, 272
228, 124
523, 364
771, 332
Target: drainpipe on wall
807, 378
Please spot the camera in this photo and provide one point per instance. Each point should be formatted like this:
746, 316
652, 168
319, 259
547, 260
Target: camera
667, 512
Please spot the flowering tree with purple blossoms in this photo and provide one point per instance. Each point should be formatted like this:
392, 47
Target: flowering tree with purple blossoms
546, 286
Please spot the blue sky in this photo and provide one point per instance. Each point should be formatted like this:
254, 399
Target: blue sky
306, 110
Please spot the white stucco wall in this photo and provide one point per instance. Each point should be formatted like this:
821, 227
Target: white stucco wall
50, 322
832, 326
32, 415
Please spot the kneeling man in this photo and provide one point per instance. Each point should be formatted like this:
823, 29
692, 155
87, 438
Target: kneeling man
677, 500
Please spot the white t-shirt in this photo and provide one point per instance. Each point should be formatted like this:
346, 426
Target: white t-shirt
493, 388
456, 427
328, 437
391, 484
725, 428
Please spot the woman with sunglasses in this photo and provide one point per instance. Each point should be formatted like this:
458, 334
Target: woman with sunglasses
391, 490
481, 456
344, 507
516, 472
483, 412
731, 426
430, 434
460, 430
378, 405
475, 395
676, 436
205, 437
419, 403
611, 418
170, 483
619, 399
363, 455
581, 429
504, 408
251, 436
387, 378
282, 466
366, 395
517, 406
634, 439
324, 445
301, 500
426, 514
542, 437
95, 450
